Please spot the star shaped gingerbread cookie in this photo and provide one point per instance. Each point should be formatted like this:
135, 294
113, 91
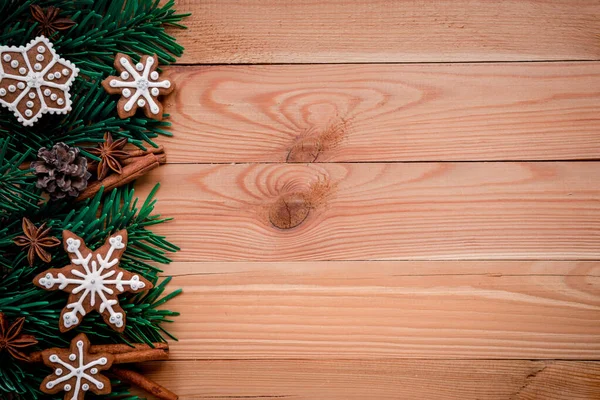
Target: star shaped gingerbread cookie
139, 86
76, 370
94, 281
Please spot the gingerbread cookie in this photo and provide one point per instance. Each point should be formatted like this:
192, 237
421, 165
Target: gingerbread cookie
139, 86
34, 80
76, 370
94, 281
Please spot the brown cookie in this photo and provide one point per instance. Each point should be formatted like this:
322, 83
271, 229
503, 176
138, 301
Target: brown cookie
94, 281
76, 370
34, 80
138, 85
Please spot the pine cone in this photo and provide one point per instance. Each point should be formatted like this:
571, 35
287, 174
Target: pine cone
61, 171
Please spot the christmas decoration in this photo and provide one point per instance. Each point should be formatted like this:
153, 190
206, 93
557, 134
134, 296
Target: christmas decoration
138, 86
83, 358
48, 20
37, 240
61, 171
59, 192
94, 280
137, 164
111, 156
12, 340
76, 370
34, 80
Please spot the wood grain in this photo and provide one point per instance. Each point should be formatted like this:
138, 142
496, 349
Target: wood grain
382, 211
373, 310
342, 31
317, 113
380, 379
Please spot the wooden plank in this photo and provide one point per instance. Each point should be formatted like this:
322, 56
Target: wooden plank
454, 112
377, 211
375, 310
379, 379
341, 31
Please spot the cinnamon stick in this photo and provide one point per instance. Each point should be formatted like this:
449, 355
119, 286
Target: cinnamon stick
144, 383
122, 352
137, 168
141, 356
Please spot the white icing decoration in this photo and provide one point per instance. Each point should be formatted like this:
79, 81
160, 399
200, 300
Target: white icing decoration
126, 93
65, 72
30, 104
21, 85
47, 92
60, 102
141, 103
84, 378
95, 279
53, 96
57, 75
35, 75
2, 92
28, 113
12, 88
142, 86
124, 75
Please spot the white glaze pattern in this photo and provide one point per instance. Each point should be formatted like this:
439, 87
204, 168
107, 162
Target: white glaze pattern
140, 84
94, 279
33, 76
74, 366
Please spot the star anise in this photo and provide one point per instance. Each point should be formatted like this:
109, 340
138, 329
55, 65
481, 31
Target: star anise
111, 155
37, 240
48, 20
12, 340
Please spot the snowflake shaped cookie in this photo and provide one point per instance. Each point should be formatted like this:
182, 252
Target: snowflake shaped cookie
94, 281
76, 370
139, 86
34, 80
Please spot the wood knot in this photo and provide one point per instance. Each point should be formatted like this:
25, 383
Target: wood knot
289, 210
313, 142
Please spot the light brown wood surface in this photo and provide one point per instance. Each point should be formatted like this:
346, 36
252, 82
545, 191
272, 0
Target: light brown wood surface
412, 213
370, 310
342, 31
381, 379
375, 211
436, 112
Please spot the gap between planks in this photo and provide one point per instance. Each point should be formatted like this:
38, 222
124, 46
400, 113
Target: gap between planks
307, 31
391, 113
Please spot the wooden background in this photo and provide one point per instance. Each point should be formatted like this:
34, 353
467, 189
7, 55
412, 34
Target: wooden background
385, 199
